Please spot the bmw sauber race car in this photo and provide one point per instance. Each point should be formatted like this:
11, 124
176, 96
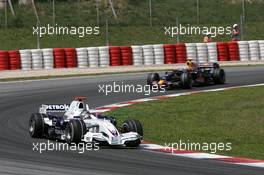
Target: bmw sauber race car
77, 124
195, 74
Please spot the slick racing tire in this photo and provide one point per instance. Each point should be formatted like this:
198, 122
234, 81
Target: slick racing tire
132, 125
36, 125
219, 76
152, 77
186, 80
74, 131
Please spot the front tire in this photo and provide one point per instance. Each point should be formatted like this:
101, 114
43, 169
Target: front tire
36, 125
152, 77
132, 125
74, 131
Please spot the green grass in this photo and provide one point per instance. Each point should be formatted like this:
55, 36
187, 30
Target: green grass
235, 116
136, 12
132, 25
22, 38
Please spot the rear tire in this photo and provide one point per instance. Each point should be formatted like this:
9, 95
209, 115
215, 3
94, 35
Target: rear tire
152, 77
132, 125
186, 80
74, 131
36, 125
219, 76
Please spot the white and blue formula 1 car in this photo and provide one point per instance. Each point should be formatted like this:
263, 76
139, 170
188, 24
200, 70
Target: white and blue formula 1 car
77, 124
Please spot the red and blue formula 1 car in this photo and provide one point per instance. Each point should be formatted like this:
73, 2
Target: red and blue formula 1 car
202, 74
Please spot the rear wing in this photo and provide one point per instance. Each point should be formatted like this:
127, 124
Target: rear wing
53, 108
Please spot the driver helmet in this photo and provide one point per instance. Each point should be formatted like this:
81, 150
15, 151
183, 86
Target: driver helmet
189, 62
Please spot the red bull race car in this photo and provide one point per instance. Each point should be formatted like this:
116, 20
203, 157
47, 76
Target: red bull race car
194, 74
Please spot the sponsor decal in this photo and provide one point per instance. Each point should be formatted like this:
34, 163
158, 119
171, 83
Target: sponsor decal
58, 107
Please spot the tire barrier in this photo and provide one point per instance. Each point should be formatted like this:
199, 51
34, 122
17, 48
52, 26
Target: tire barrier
71, 57
137, 52
26, 59
48, 58
115, 56
253, 50
202, 53
127, 56
212, 52
59, 58
261, 49
93, 57
243, 50
180, 53
104, 58
148, 54
222, 50
233, 51
169, 53
14, 60
37, 62
191, 51
158, 54
82, 57
4, 60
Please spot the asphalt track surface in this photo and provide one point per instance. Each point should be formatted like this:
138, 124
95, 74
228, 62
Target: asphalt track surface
20, 99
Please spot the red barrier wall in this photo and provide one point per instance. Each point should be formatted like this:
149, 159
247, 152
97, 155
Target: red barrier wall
169, 53
14, 60
115, 56
127, 56
233, 51
4, 60
180, 53
222, 51
70, 57
59, 58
